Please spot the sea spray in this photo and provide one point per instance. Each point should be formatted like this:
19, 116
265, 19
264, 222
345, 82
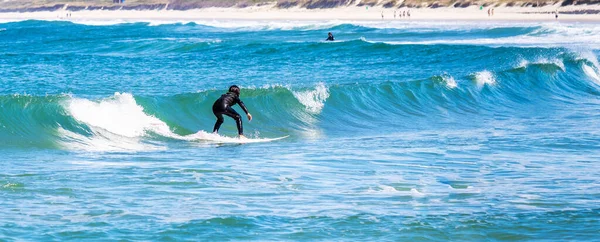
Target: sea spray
449, 80
483, 78
313, 100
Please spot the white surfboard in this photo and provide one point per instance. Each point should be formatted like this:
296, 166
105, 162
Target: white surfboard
216, 138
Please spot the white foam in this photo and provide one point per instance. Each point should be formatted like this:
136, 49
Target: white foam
118, 114
548, 35
96, 22
166, 22
591, 73
591, 57
484, 78
522, 63
4, 21
170, 39
415, 193
117, 124
313, 100
389, 190
103, 141
216, 138
591, 67
109, 22
434, 26
268, 25
519, 41
221, 23
271, 86
450, 82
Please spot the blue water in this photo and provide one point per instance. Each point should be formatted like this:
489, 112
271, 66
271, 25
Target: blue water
422, 131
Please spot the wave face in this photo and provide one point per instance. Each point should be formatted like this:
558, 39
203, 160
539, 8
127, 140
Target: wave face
440, 131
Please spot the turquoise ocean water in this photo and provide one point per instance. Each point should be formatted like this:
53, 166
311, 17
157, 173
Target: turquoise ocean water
423, 131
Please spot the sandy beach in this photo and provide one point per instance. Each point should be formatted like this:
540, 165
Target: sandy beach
377, 13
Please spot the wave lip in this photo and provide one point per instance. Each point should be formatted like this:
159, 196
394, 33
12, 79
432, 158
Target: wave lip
116, 123
313, 100
593, 74
449, 80
483, 78
119, 115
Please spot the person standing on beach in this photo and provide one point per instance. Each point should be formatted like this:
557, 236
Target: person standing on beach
381, 15
223, 106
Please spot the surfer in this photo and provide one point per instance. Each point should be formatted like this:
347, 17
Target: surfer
330, 37
223, 106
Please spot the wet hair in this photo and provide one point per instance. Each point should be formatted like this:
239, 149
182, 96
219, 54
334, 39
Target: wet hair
235, 89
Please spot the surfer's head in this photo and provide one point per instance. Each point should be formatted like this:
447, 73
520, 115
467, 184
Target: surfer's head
234, 89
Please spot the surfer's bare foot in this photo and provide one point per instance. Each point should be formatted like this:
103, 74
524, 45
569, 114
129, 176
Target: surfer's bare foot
242, 136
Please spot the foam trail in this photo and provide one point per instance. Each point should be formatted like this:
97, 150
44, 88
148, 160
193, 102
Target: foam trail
104, 141
216, 138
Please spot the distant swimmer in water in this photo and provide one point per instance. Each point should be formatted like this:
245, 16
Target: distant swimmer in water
223, 106
330, 37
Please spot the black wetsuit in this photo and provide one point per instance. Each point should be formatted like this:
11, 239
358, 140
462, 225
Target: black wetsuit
223, 106
330, 38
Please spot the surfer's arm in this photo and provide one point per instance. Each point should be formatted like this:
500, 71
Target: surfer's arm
243, 106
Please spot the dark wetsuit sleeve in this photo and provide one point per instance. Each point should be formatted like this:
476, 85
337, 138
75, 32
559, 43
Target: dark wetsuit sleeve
242, 105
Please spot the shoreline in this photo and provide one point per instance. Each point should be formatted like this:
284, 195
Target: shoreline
268, 13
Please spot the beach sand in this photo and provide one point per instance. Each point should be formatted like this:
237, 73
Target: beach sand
344, 13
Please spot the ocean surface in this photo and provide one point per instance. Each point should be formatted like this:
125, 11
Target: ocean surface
398, 130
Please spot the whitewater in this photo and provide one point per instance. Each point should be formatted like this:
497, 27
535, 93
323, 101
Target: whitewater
430, 131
